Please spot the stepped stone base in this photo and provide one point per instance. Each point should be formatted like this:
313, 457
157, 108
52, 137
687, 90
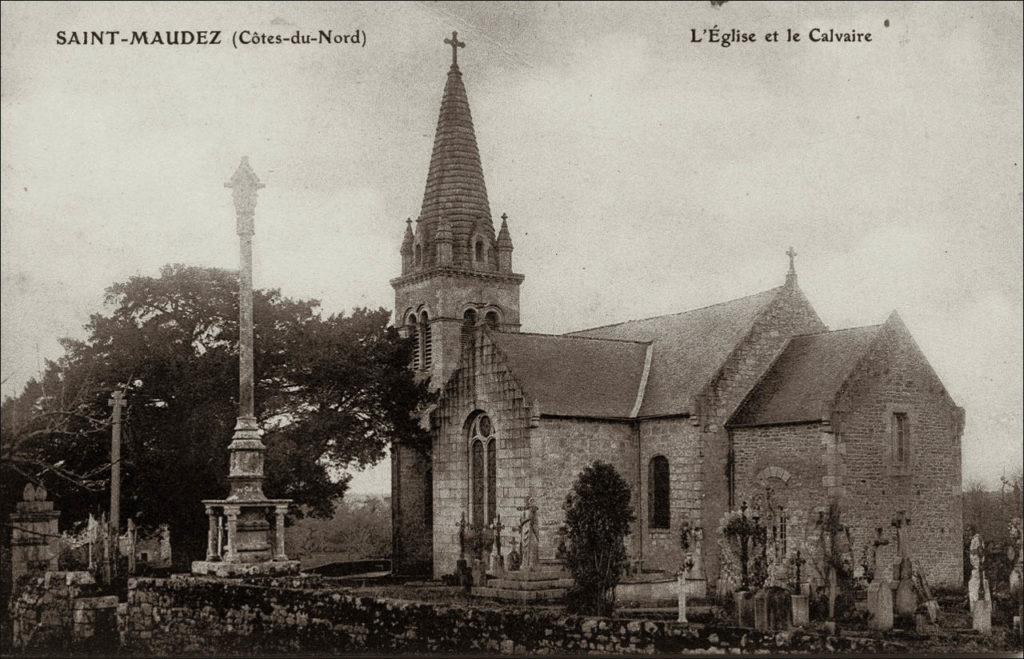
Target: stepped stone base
548, 584
265, 568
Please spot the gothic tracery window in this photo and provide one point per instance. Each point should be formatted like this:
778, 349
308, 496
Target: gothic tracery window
483, 471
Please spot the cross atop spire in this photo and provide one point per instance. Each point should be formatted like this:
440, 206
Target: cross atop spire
455, 44
791, 275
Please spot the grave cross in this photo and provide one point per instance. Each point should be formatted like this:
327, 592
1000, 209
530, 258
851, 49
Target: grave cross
497, 526
797, 561
455, 44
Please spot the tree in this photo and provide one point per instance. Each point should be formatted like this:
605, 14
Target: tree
331, 392
597, 519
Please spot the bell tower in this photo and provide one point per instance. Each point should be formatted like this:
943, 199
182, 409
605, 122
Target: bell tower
456, 273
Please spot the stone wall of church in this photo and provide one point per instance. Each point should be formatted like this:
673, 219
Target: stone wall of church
680, 441
788, 315
411, 509
794, 461
562, 448
895, 378
482, 384
788, 460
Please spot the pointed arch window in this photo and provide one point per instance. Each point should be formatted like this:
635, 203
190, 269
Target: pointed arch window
658, 511
483, 463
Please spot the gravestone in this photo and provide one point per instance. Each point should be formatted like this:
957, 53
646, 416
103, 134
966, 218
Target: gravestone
880, 608
981, 616
761, 611
801, 610
479, 573
744, 608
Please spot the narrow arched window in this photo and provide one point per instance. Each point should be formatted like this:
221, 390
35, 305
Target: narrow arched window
410, 325
468, 327
658, 493
417, 253
479, 251
426, 351
491, 318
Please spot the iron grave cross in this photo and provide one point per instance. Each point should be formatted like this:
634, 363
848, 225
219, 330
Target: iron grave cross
455, 44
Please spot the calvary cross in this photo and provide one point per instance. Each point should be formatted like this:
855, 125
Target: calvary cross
455, 44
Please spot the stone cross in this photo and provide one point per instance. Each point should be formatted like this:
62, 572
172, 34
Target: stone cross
797, 562
455, 44
791, 253
461, 526
497, 526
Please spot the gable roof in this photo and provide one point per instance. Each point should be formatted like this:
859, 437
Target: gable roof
688, 348
576, 376
804, 380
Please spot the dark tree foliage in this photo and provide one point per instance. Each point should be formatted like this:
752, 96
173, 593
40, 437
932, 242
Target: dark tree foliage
597, 518
331, 392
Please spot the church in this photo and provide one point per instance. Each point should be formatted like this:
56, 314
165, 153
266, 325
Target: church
749, 402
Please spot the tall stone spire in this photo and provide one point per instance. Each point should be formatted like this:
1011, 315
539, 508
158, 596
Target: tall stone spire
455, 181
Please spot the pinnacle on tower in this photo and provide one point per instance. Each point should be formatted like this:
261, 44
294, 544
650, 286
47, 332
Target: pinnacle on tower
406, 250
504, 246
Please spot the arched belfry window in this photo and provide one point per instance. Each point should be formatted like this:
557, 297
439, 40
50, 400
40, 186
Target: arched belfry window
410, 325
483, 464
426, 350
492, 320
469, 320
658, 514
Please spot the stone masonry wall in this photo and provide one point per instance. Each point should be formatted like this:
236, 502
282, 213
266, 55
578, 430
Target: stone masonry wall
190, 615
790, 460
482, 384
561, 449
681, 441
411, 535
789, 314
895, 377
61, 610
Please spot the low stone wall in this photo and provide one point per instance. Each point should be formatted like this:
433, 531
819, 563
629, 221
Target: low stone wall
61, 611
197, 615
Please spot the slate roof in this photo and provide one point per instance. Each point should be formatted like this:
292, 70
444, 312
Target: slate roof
688, 348
576, 376
803, 381
455, 181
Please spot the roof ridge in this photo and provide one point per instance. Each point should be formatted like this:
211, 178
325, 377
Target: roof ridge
842, 329
574, 337
676, 313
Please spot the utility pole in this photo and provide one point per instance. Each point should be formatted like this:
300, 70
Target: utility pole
117, 402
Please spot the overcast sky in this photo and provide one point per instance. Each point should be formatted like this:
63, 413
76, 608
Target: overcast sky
642, 173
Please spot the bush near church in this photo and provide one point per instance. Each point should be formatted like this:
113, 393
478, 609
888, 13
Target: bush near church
597, 519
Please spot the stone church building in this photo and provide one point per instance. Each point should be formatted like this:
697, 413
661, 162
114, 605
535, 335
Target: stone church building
750, 400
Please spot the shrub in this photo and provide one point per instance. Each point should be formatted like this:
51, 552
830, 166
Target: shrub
597, 519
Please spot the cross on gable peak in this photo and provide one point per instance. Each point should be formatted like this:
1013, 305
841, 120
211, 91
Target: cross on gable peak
455, 44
